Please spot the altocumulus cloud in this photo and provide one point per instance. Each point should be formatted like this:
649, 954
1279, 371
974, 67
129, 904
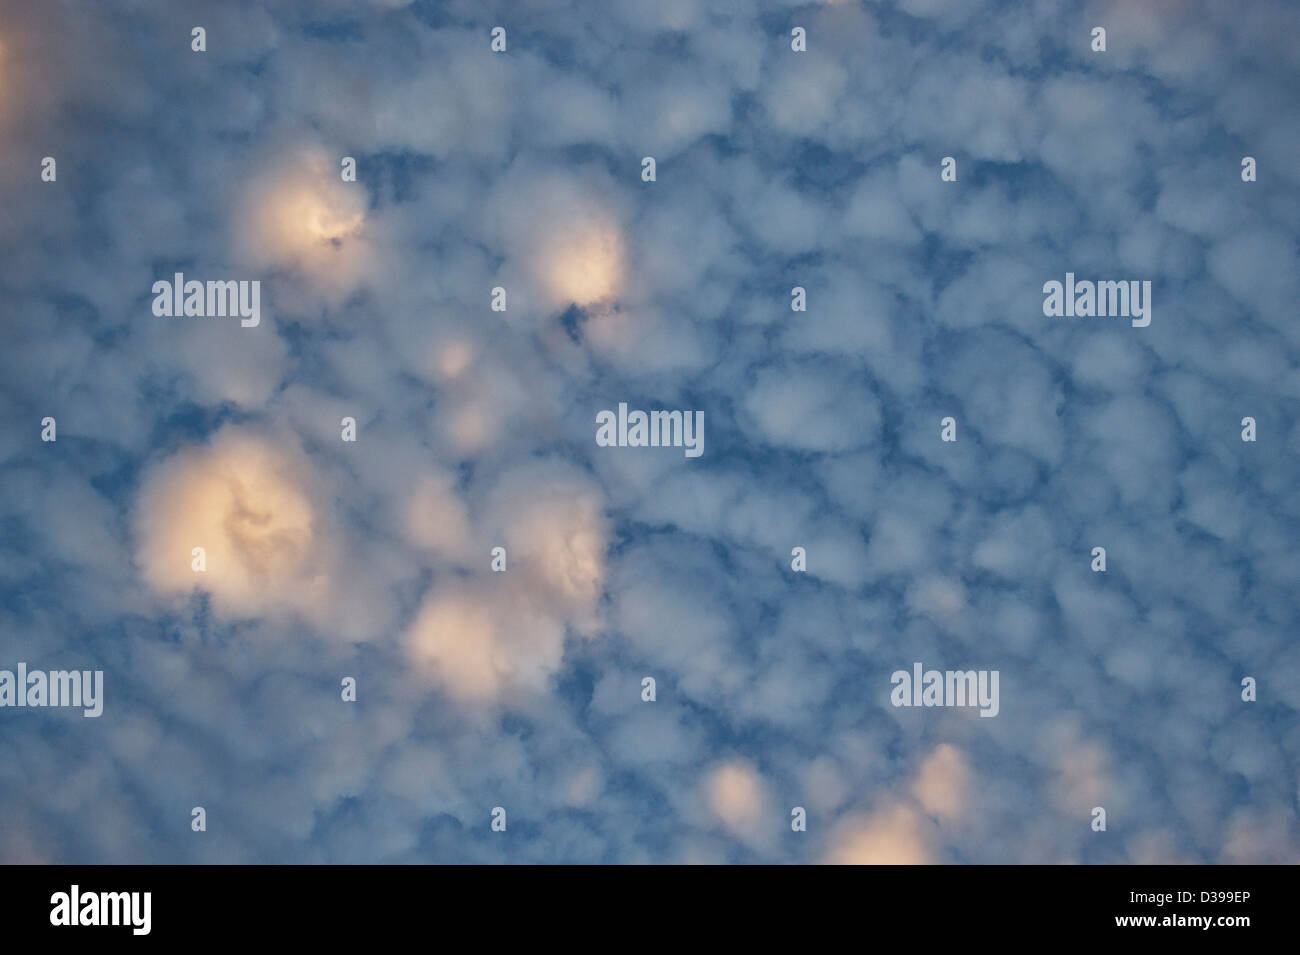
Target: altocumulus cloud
523, 688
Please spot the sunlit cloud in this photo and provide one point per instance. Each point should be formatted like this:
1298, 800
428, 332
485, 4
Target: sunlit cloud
943, 782
738, 801
452, 359
905, 828
582, 262
298, 214
244, 501
897, 835
318, 217
457, 640
481, 641
482, 637
565, 235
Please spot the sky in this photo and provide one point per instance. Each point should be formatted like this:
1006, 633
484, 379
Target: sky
371, 560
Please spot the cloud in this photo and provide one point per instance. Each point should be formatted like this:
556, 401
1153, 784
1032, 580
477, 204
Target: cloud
372, 559
244, 501
490, 634
739, 802
896, 836
563, 234
297, 214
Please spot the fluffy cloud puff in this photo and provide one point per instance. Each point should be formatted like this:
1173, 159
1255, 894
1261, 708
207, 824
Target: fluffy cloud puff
247, 501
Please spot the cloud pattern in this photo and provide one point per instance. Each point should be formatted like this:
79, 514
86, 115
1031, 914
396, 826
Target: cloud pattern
775, 169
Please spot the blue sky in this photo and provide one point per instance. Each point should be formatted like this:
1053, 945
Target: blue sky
476, 429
